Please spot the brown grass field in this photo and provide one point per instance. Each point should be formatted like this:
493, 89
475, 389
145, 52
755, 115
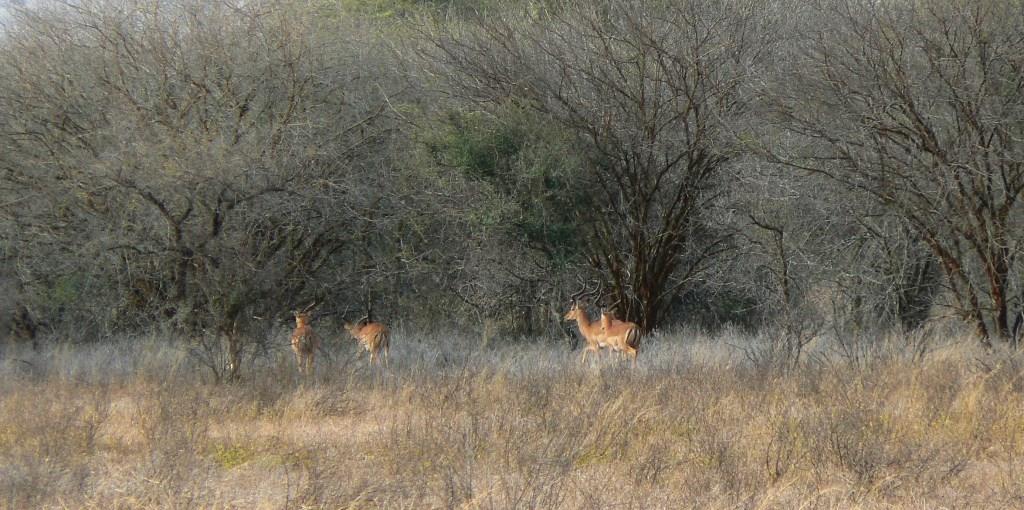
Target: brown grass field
138, 424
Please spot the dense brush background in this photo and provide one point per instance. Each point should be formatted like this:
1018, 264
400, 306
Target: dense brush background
811, 208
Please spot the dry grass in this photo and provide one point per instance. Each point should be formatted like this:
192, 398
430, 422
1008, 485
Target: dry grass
131, 425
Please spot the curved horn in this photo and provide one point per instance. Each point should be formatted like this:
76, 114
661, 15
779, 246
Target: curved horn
369, 306
576, 296
596, 292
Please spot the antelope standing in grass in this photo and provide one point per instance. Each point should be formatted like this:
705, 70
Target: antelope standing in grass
374, 337
622, 336
305, 342
591, 331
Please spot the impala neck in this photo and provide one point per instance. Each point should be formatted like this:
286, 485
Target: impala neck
586, 326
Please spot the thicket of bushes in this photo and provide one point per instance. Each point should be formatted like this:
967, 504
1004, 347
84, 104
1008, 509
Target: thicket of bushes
840, 166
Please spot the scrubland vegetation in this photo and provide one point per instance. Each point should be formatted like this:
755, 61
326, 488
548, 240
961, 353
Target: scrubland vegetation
793, 167
135, 424
830, 189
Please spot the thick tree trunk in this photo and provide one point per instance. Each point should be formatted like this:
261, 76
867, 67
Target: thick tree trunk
998, 277
963, 290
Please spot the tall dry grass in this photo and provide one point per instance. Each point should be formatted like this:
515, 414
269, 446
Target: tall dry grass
134, 424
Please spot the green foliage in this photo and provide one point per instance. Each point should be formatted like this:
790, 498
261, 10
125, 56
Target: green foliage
67, 290
232, 456
524, 162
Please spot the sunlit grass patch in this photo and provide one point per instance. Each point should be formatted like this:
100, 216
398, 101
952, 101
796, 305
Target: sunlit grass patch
496, 428
230, 456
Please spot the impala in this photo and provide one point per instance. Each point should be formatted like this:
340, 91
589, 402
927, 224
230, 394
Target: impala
305, 342
374, 336
622, 336
591, 331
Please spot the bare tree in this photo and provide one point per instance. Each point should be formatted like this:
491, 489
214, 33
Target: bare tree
212, 157
920, 106
645, 88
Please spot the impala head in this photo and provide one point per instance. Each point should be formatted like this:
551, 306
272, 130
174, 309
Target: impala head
573, 313
354, 327
301, 318
608, 312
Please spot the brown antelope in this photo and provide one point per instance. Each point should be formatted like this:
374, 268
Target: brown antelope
305, 342
374, 336
591, 331
622, 336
